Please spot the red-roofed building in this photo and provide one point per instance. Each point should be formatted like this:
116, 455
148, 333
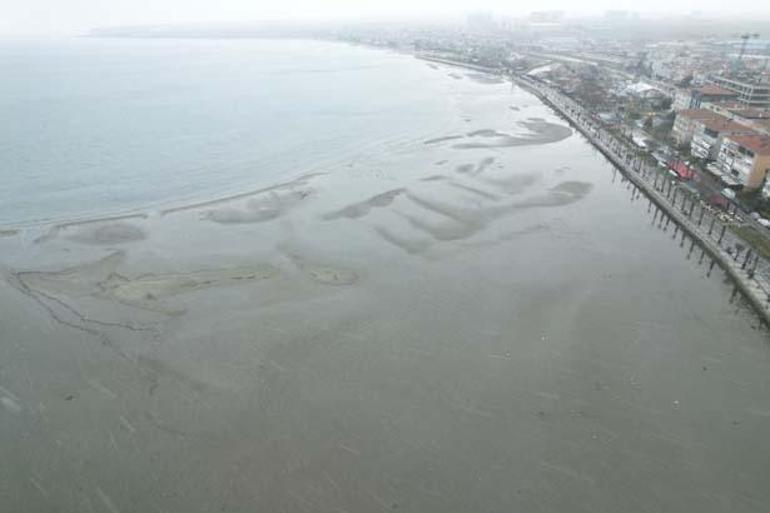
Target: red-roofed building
754, 117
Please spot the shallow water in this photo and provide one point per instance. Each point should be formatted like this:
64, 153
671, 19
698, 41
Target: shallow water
95, 126
420, 327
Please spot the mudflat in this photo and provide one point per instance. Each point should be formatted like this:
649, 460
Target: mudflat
484, 320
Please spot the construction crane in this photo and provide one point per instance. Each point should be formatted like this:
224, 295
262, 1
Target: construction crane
736, 63
745, 39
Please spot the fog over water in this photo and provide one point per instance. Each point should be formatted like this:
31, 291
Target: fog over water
353, 281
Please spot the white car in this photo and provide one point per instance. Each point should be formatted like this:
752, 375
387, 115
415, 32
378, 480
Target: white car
728, 193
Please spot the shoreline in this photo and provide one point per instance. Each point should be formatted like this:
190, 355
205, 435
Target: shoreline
215, 201
737, 274
458, 64
414, 300
163, 209
52, 227
12, 229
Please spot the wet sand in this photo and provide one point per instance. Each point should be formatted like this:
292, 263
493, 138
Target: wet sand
513, 334
539, 132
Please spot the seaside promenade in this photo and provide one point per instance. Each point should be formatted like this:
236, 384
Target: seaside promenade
674, 203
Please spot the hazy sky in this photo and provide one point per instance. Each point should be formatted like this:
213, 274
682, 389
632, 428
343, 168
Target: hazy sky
72, 16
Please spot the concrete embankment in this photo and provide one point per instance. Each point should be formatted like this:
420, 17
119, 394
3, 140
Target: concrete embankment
641, 177
459, 64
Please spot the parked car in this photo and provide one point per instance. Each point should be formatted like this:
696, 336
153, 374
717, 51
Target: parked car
728, 193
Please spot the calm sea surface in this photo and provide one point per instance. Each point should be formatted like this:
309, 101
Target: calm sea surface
93, 126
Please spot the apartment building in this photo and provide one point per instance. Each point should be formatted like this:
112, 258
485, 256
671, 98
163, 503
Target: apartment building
694, 98
754, 117
746, 158
708, 134
684, 124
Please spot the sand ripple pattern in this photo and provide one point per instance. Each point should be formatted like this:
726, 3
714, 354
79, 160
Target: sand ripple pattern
357, 210
431, 213
317, 270
109, 234
266, 207
540, 131
150, 291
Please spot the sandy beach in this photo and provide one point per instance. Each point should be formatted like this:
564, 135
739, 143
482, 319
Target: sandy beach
473, 320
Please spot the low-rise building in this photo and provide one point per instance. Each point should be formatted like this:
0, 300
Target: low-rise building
644, 95
756, 118
684, 124
694, 98
746, 158
708, 134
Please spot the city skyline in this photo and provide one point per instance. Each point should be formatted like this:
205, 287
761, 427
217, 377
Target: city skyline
45, 17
